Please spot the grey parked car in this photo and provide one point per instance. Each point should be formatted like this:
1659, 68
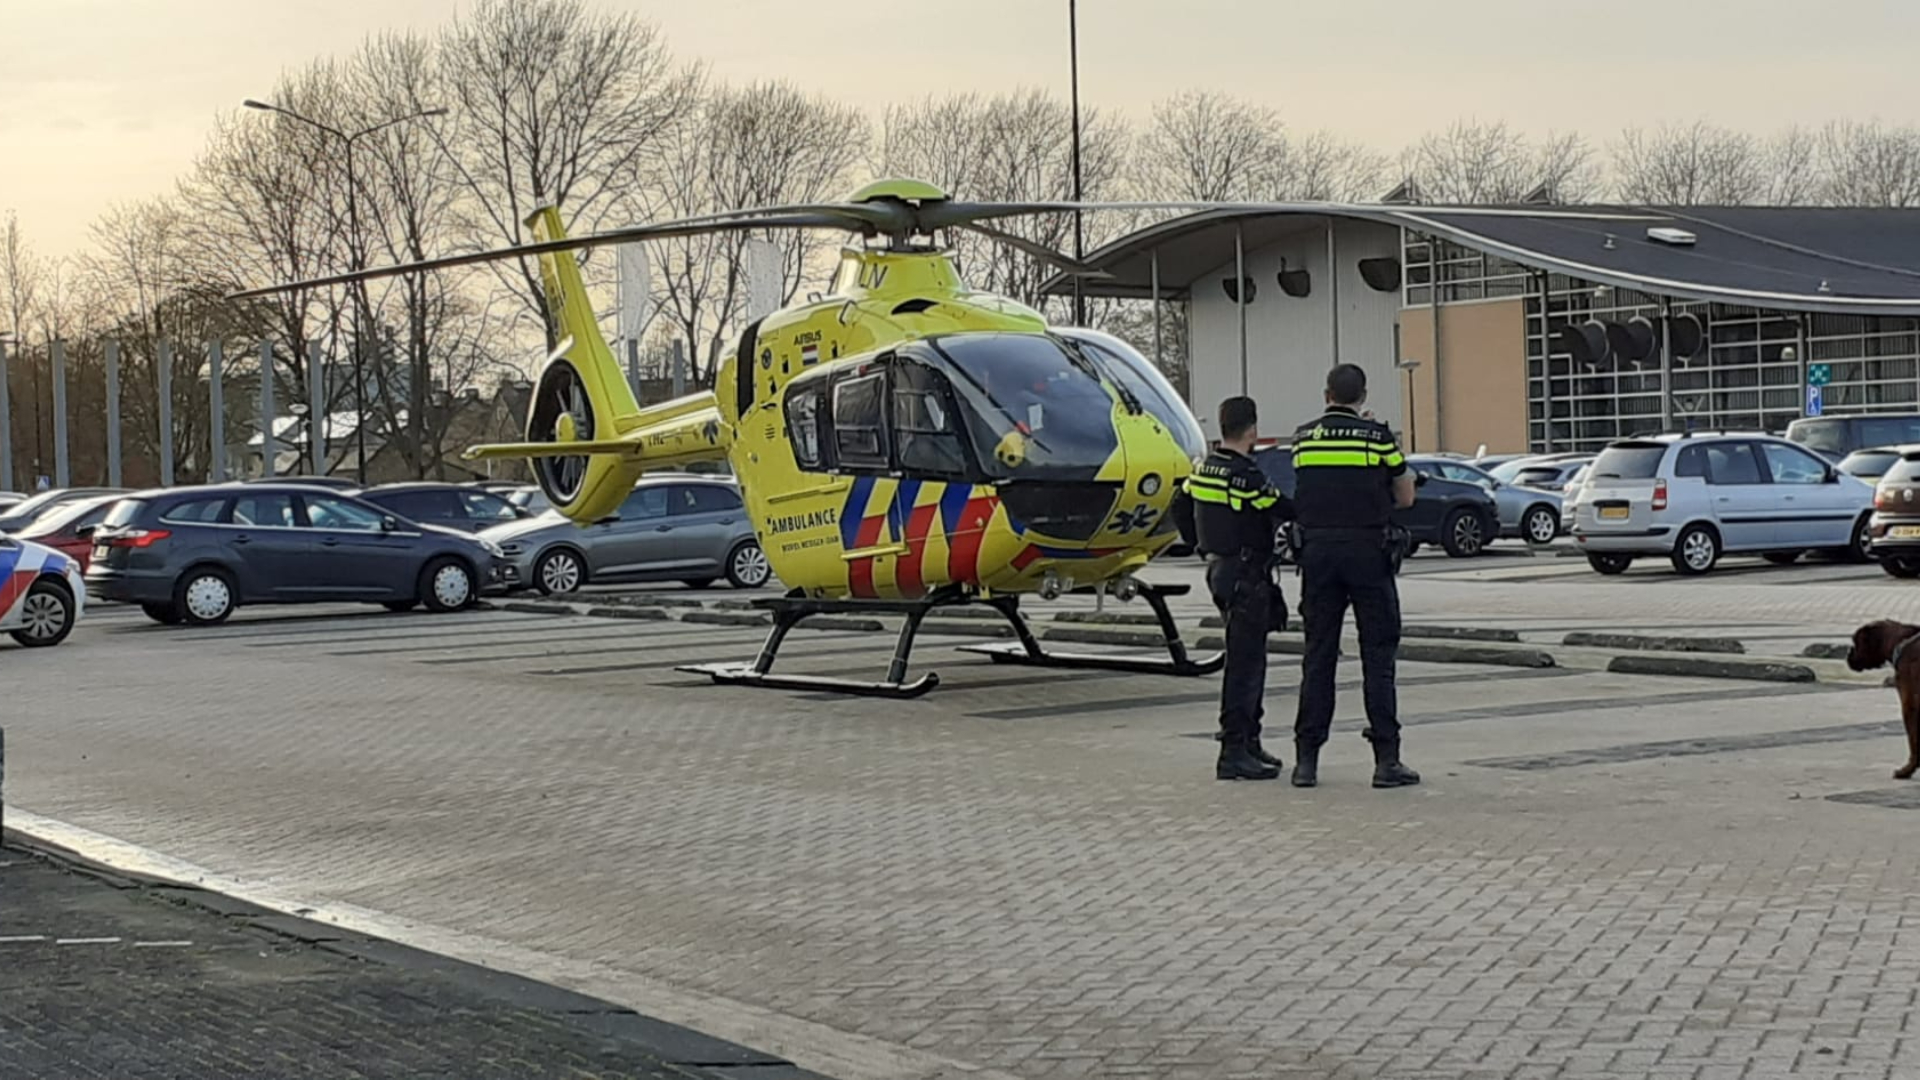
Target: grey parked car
677, 527
1525, 513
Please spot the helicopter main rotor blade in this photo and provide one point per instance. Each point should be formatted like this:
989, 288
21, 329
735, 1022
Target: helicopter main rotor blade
1067, 263
666, 231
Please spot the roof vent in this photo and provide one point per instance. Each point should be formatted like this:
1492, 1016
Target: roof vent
1675, 237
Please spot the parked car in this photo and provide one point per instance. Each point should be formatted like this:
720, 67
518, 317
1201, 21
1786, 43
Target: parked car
530, 499
1896, 520
451, 506
1834, 437
1694, 498
68, 528
1459, 517
1872, 463
195, 554
1525, 513
22, 514
42, 595
11, 498
675, 527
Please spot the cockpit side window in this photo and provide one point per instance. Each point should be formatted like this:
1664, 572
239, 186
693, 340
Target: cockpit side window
926, 423
805, 426
858, 425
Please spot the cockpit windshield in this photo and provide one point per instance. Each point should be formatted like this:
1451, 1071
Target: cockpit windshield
1037, 410
1132, 372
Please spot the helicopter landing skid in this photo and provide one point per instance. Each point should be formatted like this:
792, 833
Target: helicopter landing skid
788, 611
1028, 650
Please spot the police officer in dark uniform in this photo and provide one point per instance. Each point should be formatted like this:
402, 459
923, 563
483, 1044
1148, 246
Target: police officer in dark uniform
1350, 476
1236, 514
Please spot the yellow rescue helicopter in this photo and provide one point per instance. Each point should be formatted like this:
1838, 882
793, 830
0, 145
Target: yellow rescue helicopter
903, 442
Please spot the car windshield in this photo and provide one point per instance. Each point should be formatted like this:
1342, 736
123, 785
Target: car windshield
63, 515
1633, 461
1506, 473
1035, 409
31, 508
1869, 462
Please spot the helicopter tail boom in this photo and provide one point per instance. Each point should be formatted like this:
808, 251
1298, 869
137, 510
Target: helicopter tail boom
587, 435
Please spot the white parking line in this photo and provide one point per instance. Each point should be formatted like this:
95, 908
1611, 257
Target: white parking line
162, 944
21, 939
86, 941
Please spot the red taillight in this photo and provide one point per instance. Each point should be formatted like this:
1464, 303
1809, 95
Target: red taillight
1879, 498
1659, 494
138, 538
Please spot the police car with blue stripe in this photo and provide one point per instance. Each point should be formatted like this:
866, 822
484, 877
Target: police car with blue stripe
41, 593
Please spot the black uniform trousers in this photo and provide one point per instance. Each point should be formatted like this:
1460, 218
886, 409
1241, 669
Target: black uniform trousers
1241, 589
1341, 567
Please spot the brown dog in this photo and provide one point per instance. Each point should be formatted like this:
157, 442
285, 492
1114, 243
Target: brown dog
1887, 642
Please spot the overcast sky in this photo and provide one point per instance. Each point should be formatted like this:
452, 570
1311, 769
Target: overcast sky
104, 100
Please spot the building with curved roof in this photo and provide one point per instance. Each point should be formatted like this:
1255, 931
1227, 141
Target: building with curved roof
1539, 327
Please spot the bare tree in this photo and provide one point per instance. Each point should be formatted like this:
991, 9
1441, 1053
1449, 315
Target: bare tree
767, 144
1696, 164
1011, 148
1867, 163
1321, 166
1476, 162
1205, 146
555, 104
1792, 168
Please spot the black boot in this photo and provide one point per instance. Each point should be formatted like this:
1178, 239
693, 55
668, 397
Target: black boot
1259, 754
1387, 770
1238, 763
1306, 771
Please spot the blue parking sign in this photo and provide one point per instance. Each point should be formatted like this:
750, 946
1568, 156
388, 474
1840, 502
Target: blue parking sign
1815, 400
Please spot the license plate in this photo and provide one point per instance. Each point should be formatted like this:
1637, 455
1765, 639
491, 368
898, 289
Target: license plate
1614, 513
1904, 532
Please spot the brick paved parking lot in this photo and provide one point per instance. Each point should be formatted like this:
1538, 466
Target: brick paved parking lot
1032, 873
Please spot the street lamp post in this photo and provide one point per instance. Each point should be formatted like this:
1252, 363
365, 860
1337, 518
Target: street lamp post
1079, 235
355, 259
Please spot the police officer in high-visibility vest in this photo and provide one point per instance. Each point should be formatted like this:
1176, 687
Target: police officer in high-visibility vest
1349, 477
1236, 514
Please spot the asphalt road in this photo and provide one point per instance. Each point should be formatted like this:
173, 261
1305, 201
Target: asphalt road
1031, 873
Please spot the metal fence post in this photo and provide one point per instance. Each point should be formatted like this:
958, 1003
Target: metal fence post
316, 409
268, 453
113, 413
217, 417
6, 423
163, 377
59, 350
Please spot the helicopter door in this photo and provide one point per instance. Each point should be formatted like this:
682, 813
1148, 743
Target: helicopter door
859, 424
926, 424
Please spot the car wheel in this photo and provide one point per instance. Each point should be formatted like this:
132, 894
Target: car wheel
1464, 535
697, 582
1698, 550
400, 606
446, 585
559, 571
1783, 558
204, 596
1901, 568
1610, 565
164, 614
1861, 550
46, 615
747, 566
1540, 525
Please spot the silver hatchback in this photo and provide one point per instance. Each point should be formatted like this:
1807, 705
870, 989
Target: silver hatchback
672, 528
1693, 498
